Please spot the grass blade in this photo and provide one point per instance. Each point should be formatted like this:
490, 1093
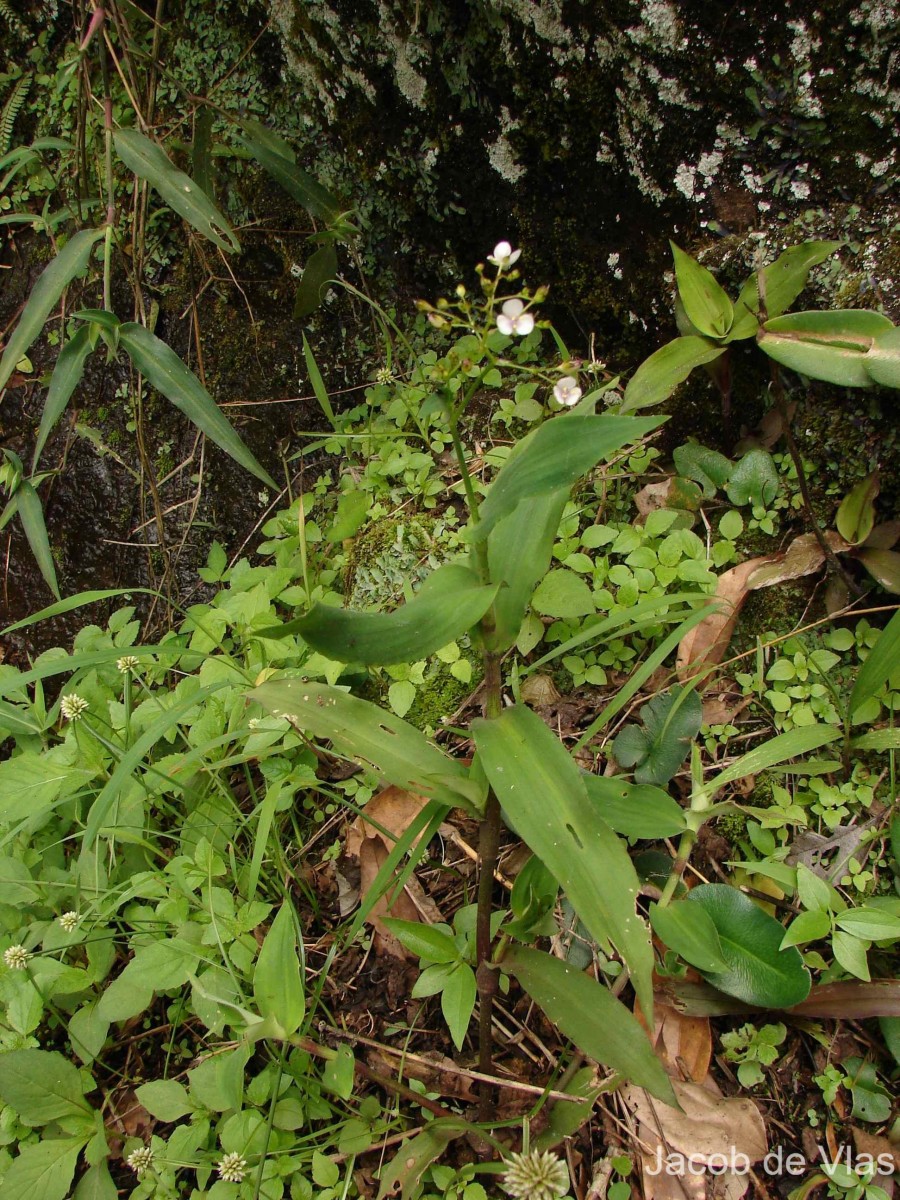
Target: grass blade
31, 514
65, 379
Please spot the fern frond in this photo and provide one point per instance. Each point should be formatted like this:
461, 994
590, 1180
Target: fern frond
11, 109
12, 19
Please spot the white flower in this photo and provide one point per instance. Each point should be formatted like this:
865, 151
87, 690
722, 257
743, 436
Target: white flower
69, 921
514, 319
127, 663
16, 958
567, 392
232, 1168
504, 256
535, 1175
73, 707
140, 1160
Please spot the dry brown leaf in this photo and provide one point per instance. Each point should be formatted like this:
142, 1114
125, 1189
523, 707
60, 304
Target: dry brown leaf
804, 556
394, 810
683, 1044
871, 1143
706, 643
539, 689
722, 709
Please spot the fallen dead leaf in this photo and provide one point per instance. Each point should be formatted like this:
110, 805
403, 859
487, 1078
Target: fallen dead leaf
804, 556
706, 643
683, 1044
722, 709
871, 1143
394, 810
539, 689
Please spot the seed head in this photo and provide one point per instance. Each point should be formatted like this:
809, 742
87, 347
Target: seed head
232, 1168
140, 1160
537, 1176
73, 707
16, 958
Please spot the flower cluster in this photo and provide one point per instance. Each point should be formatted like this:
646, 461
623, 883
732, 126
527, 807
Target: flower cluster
140, 1160
536, 1175
73, 707
127, 663
16, 958
232, 1167
69, 921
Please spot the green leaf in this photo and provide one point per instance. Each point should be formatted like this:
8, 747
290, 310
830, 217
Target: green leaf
317, 278
855, 517
554, 456
458, 1002
754, 480
658, 376
276, 157
425, 941
671, 721
772, 752
813, 892
825, 345
881, 662
31, 514
159, 364
562, 593
44, 296
339, 1073
587, 1013
784, 280
633, 810
519, 552
883, 565
890, 1031
165, 1099
874, 924
414, 1158
544, 793
690, 931
96, 1184
278, 977
759, 971
883, 360
808, 927
367, 734
41, 1086
149, 161
709, 468
352, 510
706, 304
448, 604
850, 953
43, 1171
63, 382
318, 385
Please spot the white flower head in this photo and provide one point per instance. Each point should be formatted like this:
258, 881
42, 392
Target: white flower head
69, 921
567, 392
73, 707
514, 319
16, 958
535, 1175
232, 1168
127, 663
140, 1160
504, 256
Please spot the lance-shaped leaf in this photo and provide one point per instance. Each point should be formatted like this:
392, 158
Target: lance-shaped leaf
369, 735
317, 276
635, 810
855, 517
276, 157
159, 364
450, 601
31, 514
882, 661
53, 281
65, 379
588, 1013
783, 281
659, 375
883, 565
705, 303
831, 346
278, 977
519, 550
554, 456
772, 753
543, 792
149, 161
883, 360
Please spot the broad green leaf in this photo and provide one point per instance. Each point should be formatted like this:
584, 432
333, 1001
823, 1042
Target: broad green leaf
156, 967
162, 367
635, 810
754, 480
874, 924
317, 277
415, 1156
808, 927
318, 385
53, 281
883, 565
689, 930
671, 721
543, 791
423, 940
709, 468
367, 734
352, 511
278, 976
165, 1099
883, 360
587, 1013
705, 303
276, 157
890, 1031
881, 662
150, 162
658, 376
814, 893
88, 1032
43, 1171
555, 456
772, 752
339, 1073
851, 954
855, 517
99, 316
449, 603
758, 971
96, 1184
784, 280
41, 1086
562, 593
831, 346
63, 382
519, 551
31, 514
458, 1001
